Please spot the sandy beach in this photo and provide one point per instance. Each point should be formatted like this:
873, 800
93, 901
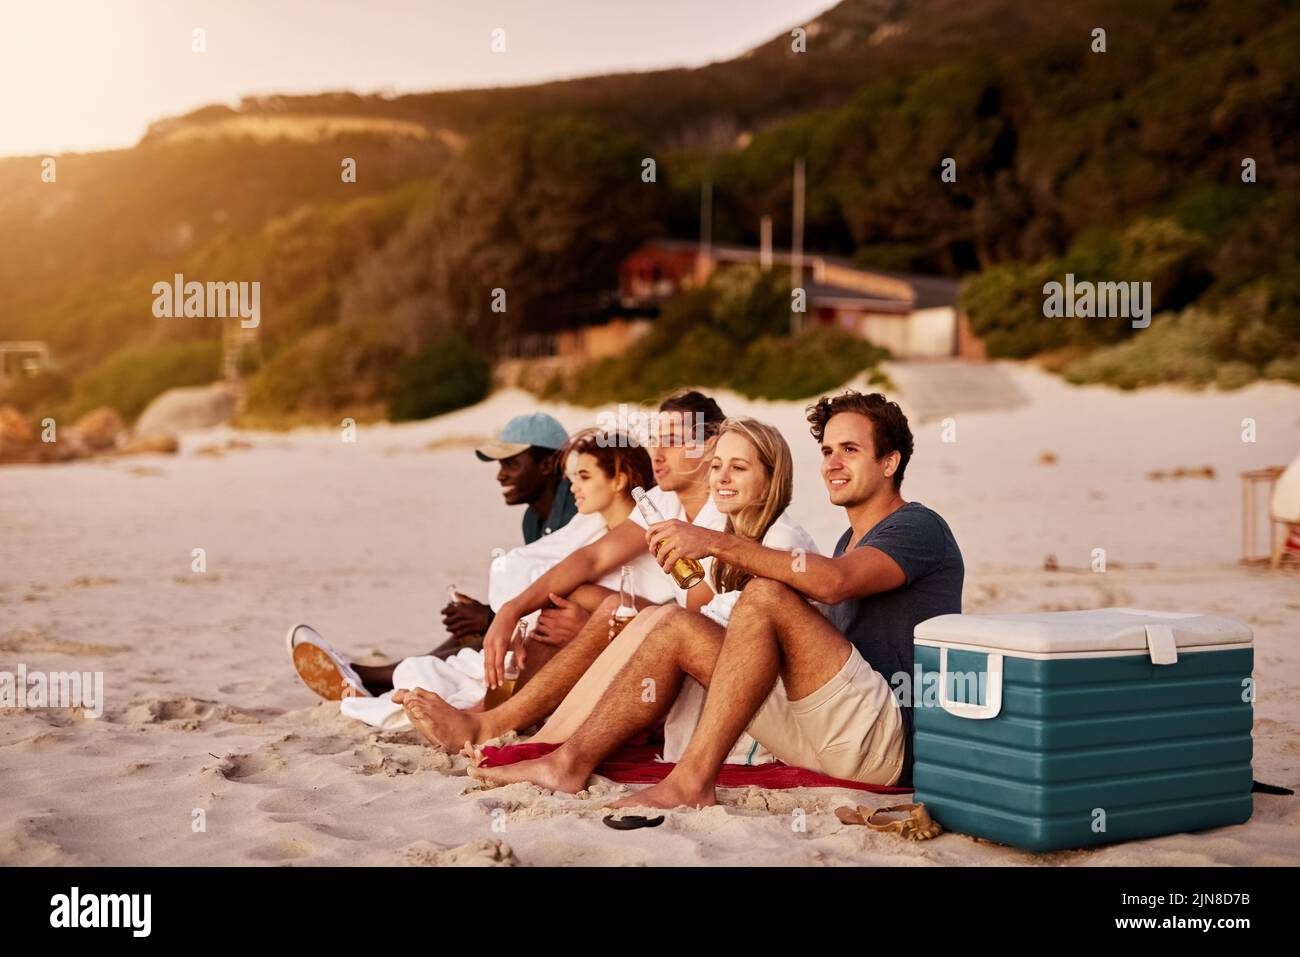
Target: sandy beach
203, 712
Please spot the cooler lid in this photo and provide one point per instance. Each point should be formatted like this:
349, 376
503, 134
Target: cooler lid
1101, 631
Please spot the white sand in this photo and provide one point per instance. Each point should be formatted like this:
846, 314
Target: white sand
203, 711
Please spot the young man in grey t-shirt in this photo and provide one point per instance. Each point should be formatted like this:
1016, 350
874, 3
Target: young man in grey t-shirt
815, 690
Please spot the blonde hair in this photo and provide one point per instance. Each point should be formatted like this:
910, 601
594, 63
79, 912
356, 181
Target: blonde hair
755, 519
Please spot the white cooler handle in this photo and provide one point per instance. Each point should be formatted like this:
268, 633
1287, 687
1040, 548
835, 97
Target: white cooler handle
1162, 646
992, 696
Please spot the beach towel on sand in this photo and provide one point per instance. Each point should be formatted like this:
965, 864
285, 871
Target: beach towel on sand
636, 764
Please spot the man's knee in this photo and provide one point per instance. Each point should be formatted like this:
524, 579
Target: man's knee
766, 593
671, 625
591, 597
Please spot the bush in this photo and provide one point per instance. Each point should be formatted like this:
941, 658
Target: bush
1005, 303
1184, 348
38, 393
773, 367
1005, 306
1286, 368
784, 367
449, 375
330, 369
1235, 375
130, 379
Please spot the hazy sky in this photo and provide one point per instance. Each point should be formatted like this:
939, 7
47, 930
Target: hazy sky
92, 74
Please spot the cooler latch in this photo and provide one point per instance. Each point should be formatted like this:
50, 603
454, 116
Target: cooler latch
1161, 645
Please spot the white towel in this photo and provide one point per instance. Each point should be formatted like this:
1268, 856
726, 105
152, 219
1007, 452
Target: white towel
458, 680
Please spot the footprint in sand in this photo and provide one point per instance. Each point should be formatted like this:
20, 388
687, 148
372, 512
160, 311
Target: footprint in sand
93, 581
287, 849
44, 741
36, 640
251, 685
243, 767
144, 769
486, 853
32, 843
187, 713
154, 678
392, 759
54, 717
341, 832
335, 744
287, 801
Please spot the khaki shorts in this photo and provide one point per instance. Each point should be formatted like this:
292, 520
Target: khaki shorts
850, 728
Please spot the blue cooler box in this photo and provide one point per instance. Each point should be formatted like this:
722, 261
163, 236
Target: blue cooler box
1066, 729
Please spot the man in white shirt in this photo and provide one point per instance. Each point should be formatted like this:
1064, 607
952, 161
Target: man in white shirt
680, 451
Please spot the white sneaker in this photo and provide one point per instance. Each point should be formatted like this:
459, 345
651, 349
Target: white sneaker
321, 668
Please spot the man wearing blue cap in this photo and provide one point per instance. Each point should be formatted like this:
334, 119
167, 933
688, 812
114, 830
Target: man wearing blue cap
528, 472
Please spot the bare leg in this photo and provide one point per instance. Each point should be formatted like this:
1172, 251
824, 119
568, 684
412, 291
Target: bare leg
773, 631
588, 597
379, 678
680, 643
579, 703
539, 656
442, 724
376, 678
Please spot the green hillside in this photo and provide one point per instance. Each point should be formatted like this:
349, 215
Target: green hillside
1123, 165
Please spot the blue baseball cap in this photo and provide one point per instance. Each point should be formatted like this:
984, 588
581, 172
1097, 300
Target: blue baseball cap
520, 433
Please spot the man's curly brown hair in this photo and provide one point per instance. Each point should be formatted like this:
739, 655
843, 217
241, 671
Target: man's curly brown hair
889, 429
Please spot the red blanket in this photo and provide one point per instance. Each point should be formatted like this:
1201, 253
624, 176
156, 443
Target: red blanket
636, 764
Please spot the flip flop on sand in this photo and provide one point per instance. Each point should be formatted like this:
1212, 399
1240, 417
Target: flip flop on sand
631, 822
916, 826
322, 669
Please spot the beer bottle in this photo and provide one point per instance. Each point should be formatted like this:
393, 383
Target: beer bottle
626, 609
502, 692
687, 572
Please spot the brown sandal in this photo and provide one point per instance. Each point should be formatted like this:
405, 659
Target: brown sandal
916, 826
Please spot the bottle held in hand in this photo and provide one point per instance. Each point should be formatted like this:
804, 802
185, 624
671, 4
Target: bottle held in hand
686, 572
503, 691
626, 609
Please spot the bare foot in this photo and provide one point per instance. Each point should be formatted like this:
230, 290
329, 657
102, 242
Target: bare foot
549, 771
669, 794
439, 722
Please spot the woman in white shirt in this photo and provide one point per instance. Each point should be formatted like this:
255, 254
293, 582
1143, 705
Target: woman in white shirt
751, 481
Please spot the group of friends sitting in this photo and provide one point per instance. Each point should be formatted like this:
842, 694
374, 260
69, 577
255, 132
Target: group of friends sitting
779, 653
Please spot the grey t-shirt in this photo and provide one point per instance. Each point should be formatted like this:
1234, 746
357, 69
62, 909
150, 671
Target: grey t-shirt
880, 626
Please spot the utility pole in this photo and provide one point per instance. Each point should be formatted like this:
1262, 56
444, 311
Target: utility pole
704, 260
796, 243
